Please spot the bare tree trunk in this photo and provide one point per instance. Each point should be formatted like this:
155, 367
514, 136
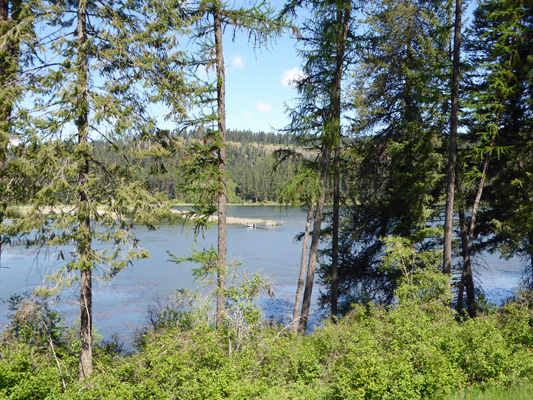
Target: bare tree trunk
221, 113
313, 252
464, 244
303, 265
335, 238
529, 271
468, 280
84, 240
452, 152
86, 322
467, 263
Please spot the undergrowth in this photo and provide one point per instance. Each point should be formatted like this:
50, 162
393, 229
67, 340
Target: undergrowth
417, 349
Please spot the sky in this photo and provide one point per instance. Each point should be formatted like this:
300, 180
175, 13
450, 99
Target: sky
258, 82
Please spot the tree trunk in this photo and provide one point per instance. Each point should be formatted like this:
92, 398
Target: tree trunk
221, 113
466, 278
467, 281
313, 252
452, 152
464, 244
467, 263
335, 238
529, 272
331, 140
343, 16
303, 265
84, 217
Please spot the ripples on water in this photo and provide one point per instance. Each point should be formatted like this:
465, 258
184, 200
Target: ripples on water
120, 304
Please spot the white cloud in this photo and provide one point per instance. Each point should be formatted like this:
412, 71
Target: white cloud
263, 107
289, 76
248, 115
237, 62
202, 73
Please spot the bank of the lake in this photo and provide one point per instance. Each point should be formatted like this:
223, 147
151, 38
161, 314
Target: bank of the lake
414, 351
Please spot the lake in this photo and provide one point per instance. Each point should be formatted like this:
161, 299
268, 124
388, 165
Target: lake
120, 305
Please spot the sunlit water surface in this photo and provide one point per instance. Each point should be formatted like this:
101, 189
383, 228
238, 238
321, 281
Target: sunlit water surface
120, 305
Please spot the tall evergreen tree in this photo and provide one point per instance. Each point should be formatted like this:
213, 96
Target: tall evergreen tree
501, 122
317, 117
399, 90
509, 194
207, 170
97, 59
16, 35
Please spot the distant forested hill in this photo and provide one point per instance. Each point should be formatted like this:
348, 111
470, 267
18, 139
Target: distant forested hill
246, 137
250, 163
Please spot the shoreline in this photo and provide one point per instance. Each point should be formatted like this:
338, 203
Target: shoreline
249, 222
237, 220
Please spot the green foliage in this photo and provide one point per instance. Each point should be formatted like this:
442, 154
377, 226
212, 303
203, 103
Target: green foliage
513, 392
184, 310
36, 362
243, 314
28, 374
206, 258
109, 169
415, 350
420, 279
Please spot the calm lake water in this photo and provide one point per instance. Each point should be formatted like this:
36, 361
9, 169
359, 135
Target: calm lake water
120, 305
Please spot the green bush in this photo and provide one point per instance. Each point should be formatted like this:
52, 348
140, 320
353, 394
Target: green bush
29, 373
418, 349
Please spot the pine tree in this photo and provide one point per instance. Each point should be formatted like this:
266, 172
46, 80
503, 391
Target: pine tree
399, 96
509, 201
16, 36
97, 61
318, 114
500, 50
206, 163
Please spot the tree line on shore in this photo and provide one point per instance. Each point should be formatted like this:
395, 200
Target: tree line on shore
414, 127
252, 176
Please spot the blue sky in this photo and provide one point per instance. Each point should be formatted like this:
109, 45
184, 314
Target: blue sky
257, 81
257, 84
